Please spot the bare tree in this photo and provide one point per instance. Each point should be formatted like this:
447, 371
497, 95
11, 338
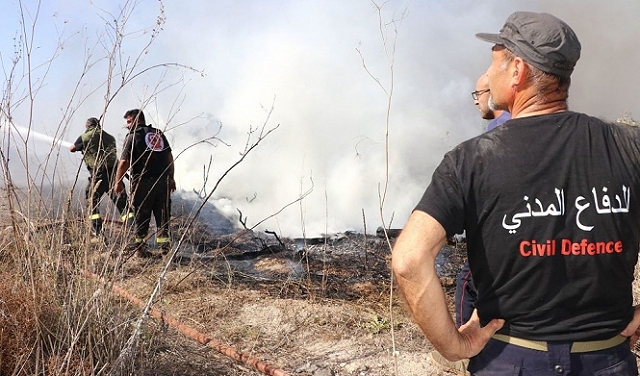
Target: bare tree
388, 36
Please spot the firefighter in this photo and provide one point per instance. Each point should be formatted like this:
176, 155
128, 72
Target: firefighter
147, 156
100, 156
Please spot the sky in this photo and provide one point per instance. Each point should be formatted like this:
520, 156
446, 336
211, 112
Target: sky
319, 73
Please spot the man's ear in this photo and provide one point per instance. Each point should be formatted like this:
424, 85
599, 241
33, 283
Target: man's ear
518, 71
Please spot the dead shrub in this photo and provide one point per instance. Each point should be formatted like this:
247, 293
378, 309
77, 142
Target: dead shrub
19, 326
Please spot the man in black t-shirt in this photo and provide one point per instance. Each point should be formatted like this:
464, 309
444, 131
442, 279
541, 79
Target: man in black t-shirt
550, 208
466, 295
147, 156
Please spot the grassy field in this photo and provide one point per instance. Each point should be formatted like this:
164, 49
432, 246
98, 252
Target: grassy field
304, 306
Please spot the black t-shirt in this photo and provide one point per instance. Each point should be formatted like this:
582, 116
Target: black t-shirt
147, 150
550, 205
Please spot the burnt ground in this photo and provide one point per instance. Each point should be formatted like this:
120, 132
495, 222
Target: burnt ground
321, 306
309, 307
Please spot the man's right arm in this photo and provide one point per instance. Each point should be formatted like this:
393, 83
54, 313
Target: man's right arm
413, 263
123, 166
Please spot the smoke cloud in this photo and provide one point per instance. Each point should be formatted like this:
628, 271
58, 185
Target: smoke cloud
321, 65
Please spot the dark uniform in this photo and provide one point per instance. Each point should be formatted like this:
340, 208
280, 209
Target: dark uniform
149, 155
99, 154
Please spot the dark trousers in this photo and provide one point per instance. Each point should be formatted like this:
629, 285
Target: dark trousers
499, 358
151, 195
465, 296
100, 183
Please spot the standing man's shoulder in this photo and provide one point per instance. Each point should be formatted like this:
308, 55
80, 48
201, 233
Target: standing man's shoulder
631, 130
165, 141
127, 146
624, 137
627, 133
108, 136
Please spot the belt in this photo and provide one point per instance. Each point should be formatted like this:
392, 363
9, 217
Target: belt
576, 347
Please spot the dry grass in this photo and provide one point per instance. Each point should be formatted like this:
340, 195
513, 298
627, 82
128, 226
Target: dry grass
332, 318
19, 315
78, 326
55, 321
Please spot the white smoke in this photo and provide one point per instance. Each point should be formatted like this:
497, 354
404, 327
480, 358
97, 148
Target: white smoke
301, 56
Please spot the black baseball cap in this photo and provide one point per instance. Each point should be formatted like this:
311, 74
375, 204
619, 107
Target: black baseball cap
541, 39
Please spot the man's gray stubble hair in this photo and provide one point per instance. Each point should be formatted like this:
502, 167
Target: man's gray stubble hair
544, 83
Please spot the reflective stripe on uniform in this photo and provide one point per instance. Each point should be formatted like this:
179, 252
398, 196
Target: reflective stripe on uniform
163, 239
138, 240
95, 216
124, 217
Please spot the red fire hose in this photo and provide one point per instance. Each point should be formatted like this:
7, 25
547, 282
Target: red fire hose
258, 364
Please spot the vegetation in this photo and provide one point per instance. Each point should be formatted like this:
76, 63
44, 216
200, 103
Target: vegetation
59, 313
